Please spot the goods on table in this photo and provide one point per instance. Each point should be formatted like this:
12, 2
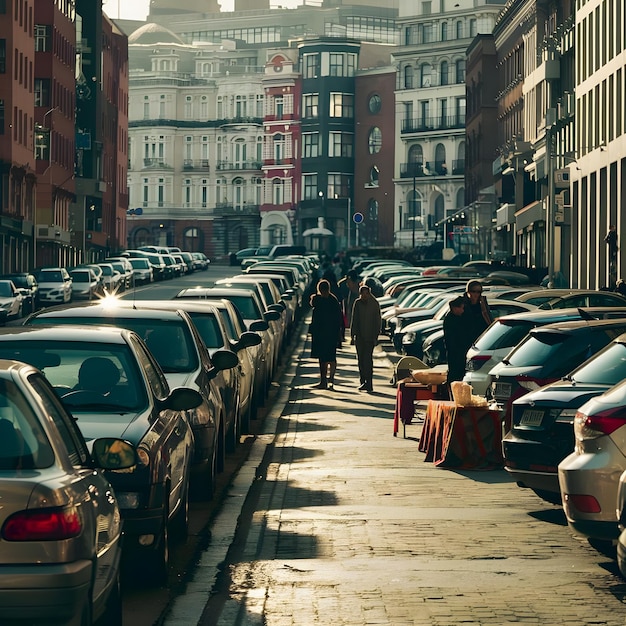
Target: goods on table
429, 376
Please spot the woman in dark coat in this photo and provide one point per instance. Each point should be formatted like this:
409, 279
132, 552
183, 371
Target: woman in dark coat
326, 330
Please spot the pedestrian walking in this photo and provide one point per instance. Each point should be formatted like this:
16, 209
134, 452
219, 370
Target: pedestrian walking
348, 292
364, 330
326, 332
455, 339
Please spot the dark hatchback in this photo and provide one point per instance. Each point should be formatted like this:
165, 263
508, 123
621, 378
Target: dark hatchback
547, 354
542, 433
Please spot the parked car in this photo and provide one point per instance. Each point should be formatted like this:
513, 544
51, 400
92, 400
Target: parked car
416, 333
112, 279
249, 307
60, 537
129, 271
545, 355
200, 261
55, 285
85, 284
542, 432
27, 285
621, 524
599, 298
589, 476
178, 348
11, 300
142, 271
507, 331
155, 259
114, 387
584, 297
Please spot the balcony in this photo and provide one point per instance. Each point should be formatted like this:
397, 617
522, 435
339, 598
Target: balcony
156, 163
238, 165
436, 168
228, 208
412, 170
458, 166
428, 124
196, 164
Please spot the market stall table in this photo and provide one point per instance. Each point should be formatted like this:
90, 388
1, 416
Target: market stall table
409, 393
459, 437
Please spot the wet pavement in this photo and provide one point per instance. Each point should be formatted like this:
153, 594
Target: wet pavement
334, 521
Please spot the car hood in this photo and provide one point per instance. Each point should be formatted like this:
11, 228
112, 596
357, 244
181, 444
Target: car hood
127, 426
502, 370
6, 300
563, 392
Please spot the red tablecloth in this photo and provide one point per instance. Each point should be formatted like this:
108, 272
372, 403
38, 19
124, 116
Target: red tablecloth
462, 437
406, 394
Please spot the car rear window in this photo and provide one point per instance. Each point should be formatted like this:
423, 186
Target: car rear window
23, 442
503, 334
607, 367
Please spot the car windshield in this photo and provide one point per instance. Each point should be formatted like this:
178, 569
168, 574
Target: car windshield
502, 334
5, 290
169, 340
247, 307
108, 372
140, 264
51, 277
209, 329
607, 367
106, 270
23, 442
80, 277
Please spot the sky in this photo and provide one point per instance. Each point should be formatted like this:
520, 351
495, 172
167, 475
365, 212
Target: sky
138, 9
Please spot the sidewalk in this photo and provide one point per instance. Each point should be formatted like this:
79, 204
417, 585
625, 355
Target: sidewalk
340, 523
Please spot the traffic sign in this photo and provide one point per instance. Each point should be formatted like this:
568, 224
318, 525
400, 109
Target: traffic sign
357, 218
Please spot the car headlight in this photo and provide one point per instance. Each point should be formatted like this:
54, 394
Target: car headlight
409, 337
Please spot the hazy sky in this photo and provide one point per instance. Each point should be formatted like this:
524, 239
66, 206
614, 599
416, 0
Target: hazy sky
138, 9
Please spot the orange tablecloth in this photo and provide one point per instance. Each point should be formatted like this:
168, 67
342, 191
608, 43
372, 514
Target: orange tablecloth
462, 437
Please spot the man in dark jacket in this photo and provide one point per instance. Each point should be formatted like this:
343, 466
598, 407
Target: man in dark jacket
365, 328
455, 338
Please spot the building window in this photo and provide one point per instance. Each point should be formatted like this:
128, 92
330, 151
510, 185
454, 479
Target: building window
425, 75
459, 30
408, 77
42, 38
279, 147
146, 191
338, 185
341, 105
3, 56
204, 108
473, 28
42, 144
309, 186
1, 117
310, 105
374, 175
375, 140
42, 92
187, 192
310, 145
460, 71
444, 31
279, 106
374, 104
340, 144
372, 206
311, 63
336, 64
443, 73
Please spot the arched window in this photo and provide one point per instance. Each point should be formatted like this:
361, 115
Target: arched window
460, 71
440, 208
239, 193
193, 239
374, 175
416, 161
414, 218
443, 73
460, 198
375, 140
278, 192
425, 74
279, 146
372, 209
444, 31
408, 77
441, 167
459, 30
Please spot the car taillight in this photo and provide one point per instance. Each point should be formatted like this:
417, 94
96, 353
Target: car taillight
476, 362
598, 425
43, 525
581, 502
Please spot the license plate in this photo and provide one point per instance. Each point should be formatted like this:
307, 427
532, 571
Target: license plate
531, 417
501, 390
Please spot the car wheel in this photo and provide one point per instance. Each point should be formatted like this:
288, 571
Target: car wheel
203, 486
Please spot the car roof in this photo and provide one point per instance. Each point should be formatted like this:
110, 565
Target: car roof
69, 332
574, 326
104, 310
558, 315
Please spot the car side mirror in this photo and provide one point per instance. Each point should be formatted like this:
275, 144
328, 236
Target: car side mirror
248, 340
182, 399
224, 360
259, 326
114, 454
271, 316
